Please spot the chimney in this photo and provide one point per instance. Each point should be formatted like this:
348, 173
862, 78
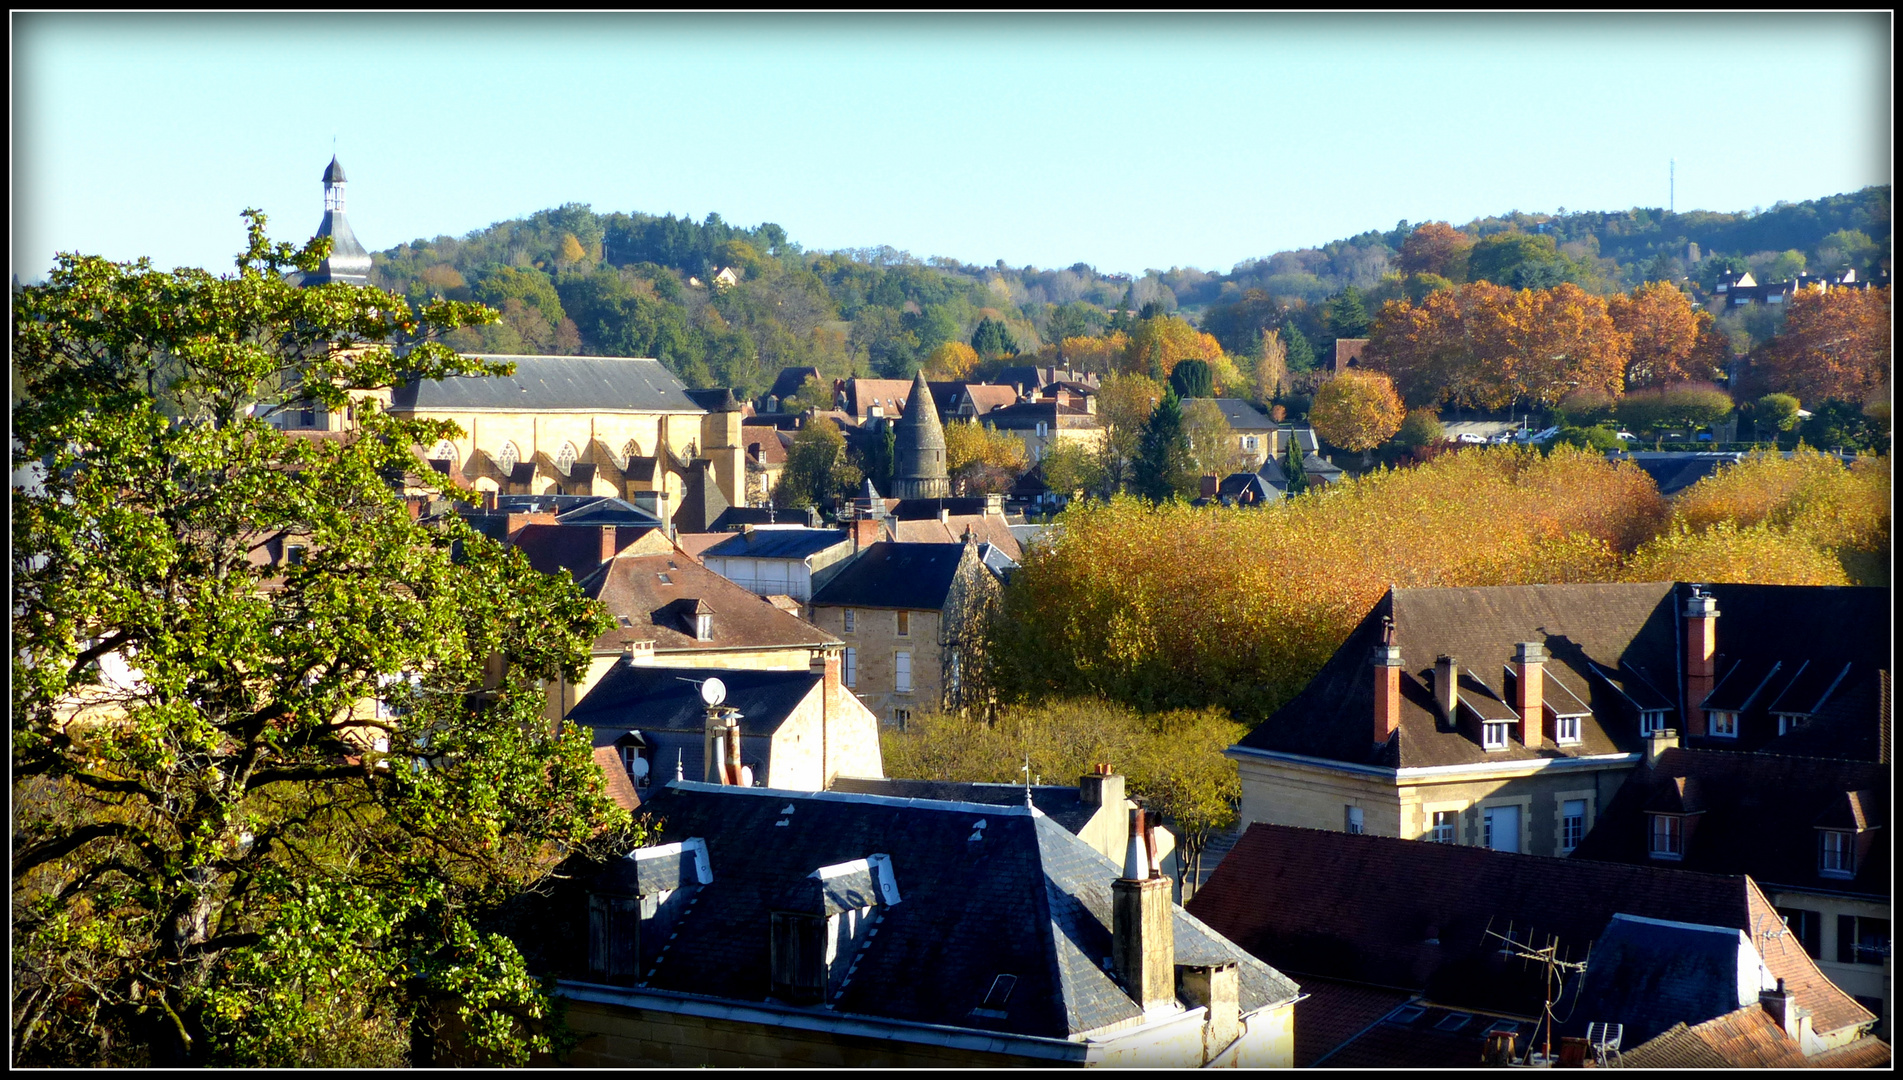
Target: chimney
1446, 684
865, 533
1657, 743
489, 500
1387, 691
608, 545
1218, 988
1101, 788
1781, 1004
1529, 678
1701, 657
1209, 486
944, 515
1142, 941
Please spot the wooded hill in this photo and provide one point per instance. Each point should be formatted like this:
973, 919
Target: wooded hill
570, 280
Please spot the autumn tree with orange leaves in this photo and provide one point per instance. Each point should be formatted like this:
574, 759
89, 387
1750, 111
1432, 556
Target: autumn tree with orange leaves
1669, 342
1357, 410
1436, 248
1834, 345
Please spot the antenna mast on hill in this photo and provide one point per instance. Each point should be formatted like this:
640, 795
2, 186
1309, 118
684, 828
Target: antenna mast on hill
1556, 971
1672, 189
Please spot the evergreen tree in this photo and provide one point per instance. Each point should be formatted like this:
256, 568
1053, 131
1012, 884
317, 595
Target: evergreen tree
1162, 467
1120, 319
1292, 468
1347, 315
992, 339
1301, 355
1192, 379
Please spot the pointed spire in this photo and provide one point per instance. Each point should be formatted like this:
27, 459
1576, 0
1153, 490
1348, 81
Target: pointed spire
920, 441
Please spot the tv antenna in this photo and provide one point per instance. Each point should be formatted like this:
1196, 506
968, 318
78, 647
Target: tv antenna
1556, 971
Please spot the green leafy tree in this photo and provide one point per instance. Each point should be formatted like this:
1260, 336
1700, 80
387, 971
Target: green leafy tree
816, 466
992, 339
1164, 469
1420, 427
1777, 412
1192, 379
1069, 467
263, 815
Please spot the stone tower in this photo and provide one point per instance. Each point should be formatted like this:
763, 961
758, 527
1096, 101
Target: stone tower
920, 472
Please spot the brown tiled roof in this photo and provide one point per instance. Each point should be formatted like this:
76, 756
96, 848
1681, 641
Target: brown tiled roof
1332, 1013
574, 548
989, 528
1332, 717
695, 543
642, 591
863, 394
615, 778
1415, 915
1760, 816
1026, 415
985, 397
1747, 1038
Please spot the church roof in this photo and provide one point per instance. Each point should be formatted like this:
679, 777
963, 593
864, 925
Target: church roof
554, 384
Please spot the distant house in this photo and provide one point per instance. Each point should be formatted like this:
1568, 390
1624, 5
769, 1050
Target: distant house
1348, 353
910, 615
787, 384
777, 928
726, 277
1029, 379
946, 521
1508, 717
1813, 832
1395, 942
1252, 432
968, 401
795, 729
780, 560
1061, 414
1740, 289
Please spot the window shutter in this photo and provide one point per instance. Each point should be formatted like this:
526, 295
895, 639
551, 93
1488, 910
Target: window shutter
1846, 939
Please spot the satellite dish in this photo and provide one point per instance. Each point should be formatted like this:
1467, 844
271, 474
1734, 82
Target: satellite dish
639, 766
713, 692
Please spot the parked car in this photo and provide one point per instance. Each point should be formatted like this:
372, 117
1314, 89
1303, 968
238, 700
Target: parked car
1627, 436
1469, 437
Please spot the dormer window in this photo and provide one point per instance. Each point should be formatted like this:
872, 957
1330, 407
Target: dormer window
1789, 722
1667, 836
826, 918
1724, 725
634, 904
1494, 734
1651, 721
1836, 853
703, 627
1565, 730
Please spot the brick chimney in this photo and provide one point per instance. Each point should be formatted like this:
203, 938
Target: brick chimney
1210, 485
1142, 934
1781, 1004
1701, 657
865, 533
1387, 691
1446, 685
1529, 678
608, 544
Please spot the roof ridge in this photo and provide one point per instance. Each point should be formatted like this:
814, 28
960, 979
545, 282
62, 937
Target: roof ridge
947, 805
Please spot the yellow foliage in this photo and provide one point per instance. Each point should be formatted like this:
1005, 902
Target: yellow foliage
1158, 345
951, 361
1809, 498
1754, 554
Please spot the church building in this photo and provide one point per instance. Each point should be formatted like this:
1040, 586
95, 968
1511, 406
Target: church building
624, 427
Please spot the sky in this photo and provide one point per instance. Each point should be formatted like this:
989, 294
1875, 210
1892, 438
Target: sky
1126, 142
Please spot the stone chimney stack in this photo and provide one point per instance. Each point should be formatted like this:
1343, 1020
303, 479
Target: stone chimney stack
1143, 944
1446, 685
1529, 694
1387, 691
1100, 788
1701, 657
608, 544
1218, 988
1781, 1004
1657, 743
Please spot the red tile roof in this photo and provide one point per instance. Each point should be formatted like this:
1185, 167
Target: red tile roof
1415, 915
1747, 1038
615, 778
1332, 1013
643, 592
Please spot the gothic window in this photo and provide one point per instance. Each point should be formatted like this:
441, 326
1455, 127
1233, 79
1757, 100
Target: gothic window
507, 457
443, 451
565, 458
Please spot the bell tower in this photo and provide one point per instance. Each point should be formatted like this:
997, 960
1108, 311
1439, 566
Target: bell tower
348, 262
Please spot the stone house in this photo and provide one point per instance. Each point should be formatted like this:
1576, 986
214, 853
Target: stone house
1252, 433
1508, 717
778, 928
910, 617
1060, 413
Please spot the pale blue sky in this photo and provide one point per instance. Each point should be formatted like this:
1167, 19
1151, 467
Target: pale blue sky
1126, 142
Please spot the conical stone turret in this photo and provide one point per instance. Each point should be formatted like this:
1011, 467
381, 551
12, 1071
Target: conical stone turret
920, 442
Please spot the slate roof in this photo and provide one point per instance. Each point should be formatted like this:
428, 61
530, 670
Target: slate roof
1414, 915
895, 575
553, 383
778, 543
1649, 973
715, 399
664, 705
1332, 717
735, 516
1064, 805
1026, 415
1239, 414
1746, 1038
1021, 896
639, 590
1761, 814
1424, 1036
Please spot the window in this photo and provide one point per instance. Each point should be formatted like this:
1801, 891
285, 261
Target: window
1445, 822
1566, 730
443, 451
847, 617
1837, 853
1572, 824
565, 458
1249, 442
905, 624
507, 457
1787, 723
1807, 927
1724, 725
1668, 836
1500, 828
1494, 734
704, 627
900, 716
1354, 821
902, 671
1650, 722
1042, 429
1861, 940
852, 667
294, 555
307, 417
